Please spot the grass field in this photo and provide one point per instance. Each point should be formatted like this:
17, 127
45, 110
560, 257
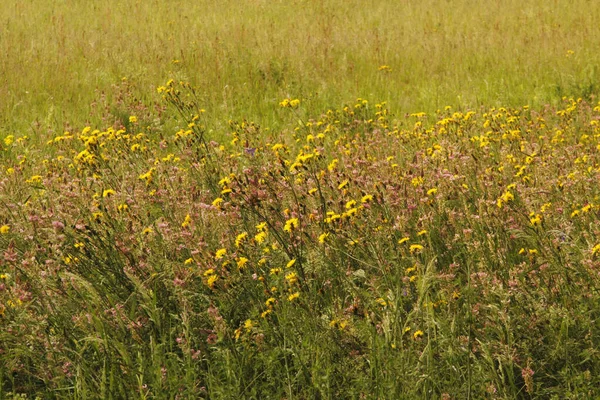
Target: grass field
59, 57
299, 200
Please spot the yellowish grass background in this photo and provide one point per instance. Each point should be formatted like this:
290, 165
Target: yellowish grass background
57, 56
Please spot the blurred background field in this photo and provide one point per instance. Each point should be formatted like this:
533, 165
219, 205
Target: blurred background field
60, 57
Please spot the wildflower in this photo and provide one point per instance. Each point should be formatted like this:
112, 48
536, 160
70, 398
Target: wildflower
333, 164
291, 263
291, 278
535, 219
290, 225
147, 231
186, 221
415, 248
240, 239
350, 204
343, 184
147, 176
133, 119
505, 198
241, 262
418, 334
238, 333
381, 302
210, 282
97, 216
122, 207
261, 227
34, 179
4, 229
188, 261
366, 198
220, 254
108, 193
596, 250
418, 181
248, 324
575, 213
270, 301
217, 202
403, 240
323, 237
260, 237
293, 296
265, 313
431, 192
421, 233
275, 271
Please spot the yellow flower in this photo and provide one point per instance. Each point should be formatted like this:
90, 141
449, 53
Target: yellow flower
381, 302
133, 119
333, 164
403, 240
293, 296
290, 225
291, 278
186, 221
108, 193
432, 191
596, 250
366, 198
217, 202
421, 233
241, 262
323, 237
535, 219
220, 254
210, 282
343, 184
291, 263
418, 334
147, 231
414, 248
188, 261
4, 229
240, 239
248, 324
238, 333
270, 301
260, 237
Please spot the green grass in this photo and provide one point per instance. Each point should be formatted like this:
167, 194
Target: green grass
58, 57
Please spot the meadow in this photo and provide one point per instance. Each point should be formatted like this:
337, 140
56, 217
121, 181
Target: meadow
298, 200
